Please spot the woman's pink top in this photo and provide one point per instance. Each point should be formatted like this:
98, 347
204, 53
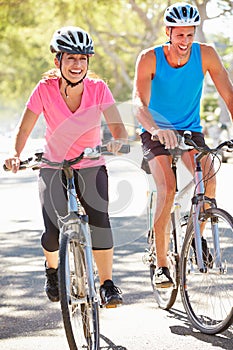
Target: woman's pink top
68, 133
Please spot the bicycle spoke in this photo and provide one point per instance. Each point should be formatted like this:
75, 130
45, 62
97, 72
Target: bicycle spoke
208, 297
80, 313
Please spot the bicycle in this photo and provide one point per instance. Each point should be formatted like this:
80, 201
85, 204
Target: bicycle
201, 265
77, 275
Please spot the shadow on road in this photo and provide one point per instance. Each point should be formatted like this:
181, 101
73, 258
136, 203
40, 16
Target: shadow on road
24, 308
223, 340
110, 344
26, 312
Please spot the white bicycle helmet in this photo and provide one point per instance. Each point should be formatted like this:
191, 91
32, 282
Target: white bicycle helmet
73, 40
182, 14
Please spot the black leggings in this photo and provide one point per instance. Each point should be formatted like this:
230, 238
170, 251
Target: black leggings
92, 189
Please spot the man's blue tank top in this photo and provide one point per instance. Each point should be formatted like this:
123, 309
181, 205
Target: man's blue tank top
176, 92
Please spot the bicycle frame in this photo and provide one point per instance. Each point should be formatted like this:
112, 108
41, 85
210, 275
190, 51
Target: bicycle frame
199, 200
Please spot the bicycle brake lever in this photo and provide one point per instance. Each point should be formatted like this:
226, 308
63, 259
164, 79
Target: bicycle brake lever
185, 141
230, 144
92, 153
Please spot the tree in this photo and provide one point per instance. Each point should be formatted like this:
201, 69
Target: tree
120, 29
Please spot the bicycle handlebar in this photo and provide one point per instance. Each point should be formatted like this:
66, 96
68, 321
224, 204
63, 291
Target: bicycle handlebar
206, 149
88, 153
186, 142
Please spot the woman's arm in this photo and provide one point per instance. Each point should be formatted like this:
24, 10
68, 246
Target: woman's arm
23, 131
116, 127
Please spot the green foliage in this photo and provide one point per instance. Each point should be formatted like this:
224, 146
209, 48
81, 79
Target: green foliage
209, 107
120, 29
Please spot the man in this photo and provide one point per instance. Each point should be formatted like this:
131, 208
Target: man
167, 92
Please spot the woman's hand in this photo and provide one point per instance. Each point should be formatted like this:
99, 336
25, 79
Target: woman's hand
114, 146
13, 164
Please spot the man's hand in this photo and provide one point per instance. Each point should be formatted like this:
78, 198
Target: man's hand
167, 138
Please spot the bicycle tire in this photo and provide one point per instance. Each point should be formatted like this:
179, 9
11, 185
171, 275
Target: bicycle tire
166, 297
80, 314
208, 297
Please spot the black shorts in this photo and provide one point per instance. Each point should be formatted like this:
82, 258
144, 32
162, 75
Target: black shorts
153, 149
92, 189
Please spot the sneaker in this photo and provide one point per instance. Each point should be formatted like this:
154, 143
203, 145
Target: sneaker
162, 278
51, 284
110, 294
207, 256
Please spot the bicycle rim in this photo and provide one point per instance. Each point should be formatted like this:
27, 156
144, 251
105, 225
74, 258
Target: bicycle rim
208, 297
80, 314
165, 297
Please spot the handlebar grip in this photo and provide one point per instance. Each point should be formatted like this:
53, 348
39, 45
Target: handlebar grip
5, 168
21, 164
188, 138
21, 167
230, 144
124, 149
187, 134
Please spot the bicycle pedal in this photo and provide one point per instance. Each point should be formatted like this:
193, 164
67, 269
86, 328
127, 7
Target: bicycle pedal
147, 259
111, 306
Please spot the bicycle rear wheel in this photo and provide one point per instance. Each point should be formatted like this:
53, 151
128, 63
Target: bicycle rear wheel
208, 297
79, 312
166, 297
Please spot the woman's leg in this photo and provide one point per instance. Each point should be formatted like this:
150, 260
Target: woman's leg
52, 197
93, 193
104, 260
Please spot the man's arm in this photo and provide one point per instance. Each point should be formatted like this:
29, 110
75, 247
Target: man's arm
213, 64
144, 73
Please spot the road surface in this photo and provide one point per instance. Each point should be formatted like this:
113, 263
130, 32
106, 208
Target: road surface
30, 322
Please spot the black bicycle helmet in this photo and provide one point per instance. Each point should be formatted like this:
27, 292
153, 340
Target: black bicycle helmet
182, 14
73, 40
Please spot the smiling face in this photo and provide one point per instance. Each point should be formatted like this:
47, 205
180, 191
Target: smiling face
74, 66
181, 40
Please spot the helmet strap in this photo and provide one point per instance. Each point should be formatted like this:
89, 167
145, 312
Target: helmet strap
69, 83
170, 35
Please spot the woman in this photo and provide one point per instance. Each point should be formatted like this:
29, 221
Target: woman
72, 104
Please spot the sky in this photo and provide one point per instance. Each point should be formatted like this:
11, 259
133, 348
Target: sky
219, 25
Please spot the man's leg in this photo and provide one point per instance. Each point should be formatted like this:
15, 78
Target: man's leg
208, 171
165, 182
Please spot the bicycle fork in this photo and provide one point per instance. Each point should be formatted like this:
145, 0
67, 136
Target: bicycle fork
89, 261
214, 227
197, 213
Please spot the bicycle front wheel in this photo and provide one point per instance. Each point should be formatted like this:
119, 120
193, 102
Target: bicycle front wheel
208, 296
79, 312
